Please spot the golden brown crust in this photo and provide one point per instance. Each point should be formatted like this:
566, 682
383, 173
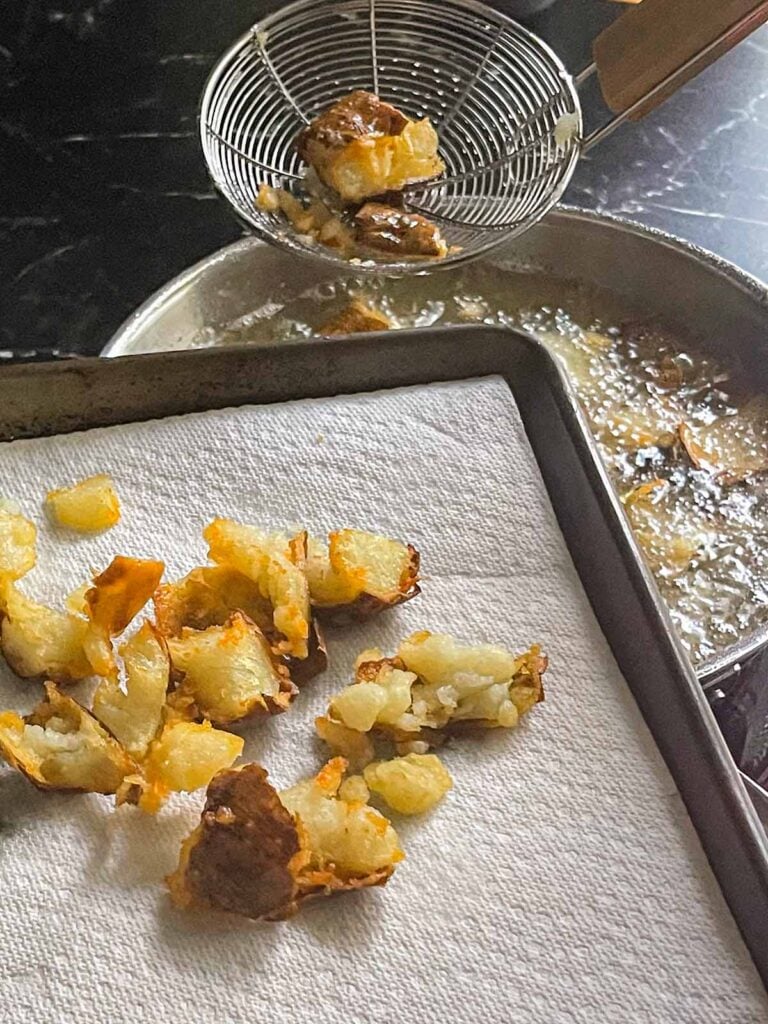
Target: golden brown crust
356, 318
246, 852
120, 592
386, 229
352, 117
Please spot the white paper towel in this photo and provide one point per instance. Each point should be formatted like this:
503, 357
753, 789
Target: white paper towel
561, 881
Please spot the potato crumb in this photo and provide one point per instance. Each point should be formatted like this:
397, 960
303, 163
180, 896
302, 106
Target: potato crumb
410, 785
89, 506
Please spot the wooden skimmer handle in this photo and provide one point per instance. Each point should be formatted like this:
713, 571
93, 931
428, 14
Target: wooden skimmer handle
667, 41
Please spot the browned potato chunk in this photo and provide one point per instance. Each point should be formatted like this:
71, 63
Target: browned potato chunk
435, 686
275, 564
358, 574
89, 506
18, 545
118, 594
39, 641
410, 785
386, 229
362, 146
134, 714
258, 853
355, 318
245, 854
354, 746
60, 745
185, 757
230, 671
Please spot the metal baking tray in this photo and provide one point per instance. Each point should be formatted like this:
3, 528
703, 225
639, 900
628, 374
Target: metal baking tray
52, 398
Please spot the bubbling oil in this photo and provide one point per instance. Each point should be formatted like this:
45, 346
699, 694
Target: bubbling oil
684, 440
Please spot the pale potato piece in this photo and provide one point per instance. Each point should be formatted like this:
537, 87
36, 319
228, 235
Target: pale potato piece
358, 574
18, 545
270, 561
347, 839
134, 714
89, 506
258, 854
39, 641
434, 686
229, 671
185, 757
60, 745
410, 785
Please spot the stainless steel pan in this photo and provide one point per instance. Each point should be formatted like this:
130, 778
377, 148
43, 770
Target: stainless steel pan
722, 308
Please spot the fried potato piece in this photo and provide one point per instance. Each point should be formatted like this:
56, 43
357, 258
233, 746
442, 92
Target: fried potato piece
134, 715
361, 146
185, 757
275, 564
18, 545
60, 745
246, 853
384, 228
89, 506
230, 671
359, 574
410, 785
257, 853
118, 594
435, 686
208, 596
355, 318
40, 641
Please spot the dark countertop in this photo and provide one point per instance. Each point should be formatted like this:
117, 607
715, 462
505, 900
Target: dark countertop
104, 194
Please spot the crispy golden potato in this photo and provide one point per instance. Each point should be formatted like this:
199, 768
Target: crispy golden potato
230, 671
39, 641
355, 318
185, 757
60, 745
410, 785
275, 564
89, 506
118, 594
435, 686
359, 574
134, 714
18, 545
208, 596
361, 146
257, 853
302, 670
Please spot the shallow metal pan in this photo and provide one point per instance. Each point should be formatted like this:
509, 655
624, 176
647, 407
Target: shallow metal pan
46, 399
718, 306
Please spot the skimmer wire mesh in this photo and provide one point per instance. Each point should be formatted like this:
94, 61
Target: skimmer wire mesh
493, 91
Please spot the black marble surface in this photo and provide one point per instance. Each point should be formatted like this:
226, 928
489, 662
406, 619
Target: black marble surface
103, 193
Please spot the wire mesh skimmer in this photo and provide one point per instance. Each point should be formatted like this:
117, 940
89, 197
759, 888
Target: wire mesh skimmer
505, 108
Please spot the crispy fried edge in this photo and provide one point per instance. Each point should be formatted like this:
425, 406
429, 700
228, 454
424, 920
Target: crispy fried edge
366, 606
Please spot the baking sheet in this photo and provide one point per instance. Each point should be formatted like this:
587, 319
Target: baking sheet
560, 881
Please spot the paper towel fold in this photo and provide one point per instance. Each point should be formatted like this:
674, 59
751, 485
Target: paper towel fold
561, 880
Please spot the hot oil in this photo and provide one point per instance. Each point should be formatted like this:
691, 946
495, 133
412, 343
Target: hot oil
684, 439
